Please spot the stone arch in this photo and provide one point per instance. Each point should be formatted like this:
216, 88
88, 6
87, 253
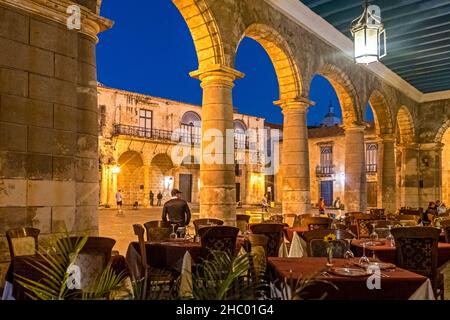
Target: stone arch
278, 49
130, 179
163, 162
191, 118
240, 125
405, 126
345, 91
442, 131
204, 31
382, 113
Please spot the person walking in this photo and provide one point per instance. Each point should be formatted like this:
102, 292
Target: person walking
119, 202
152, 198
321, 206
265, 203
159, 197
177, 211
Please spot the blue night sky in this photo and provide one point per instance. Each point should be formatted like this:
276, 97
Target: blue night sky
151, 51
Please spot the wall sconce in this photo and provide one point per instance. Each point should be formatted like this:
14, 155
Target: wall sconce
115, 169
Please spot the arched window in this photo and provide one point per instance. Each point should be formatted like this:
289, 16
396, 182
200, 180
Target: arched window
372, 157
240, 135
191, 125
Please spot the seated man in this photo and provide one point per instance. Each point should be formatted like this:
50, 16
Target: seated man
178, 211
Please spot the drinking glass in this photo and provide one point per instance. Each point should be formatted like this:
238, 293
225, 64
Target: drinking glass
188, 235
390, 238
173, 235
364, 259
348, 255
374, 234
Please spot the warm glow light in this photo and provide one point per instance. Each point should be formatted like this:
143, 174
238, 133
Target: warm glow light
116, 170
369, 36
168, 183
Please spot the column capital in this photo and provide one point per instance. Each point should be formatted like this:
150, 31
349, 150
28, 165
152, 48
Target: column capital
387, 137
91, 23
299, 103
355, 127
217, 72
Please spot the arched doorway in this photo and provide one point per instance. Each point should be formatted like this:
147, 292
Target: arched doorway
130, 180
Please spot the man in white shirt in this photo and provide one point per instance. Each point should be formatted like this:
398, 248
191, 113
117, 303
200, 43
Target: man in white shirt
119, 201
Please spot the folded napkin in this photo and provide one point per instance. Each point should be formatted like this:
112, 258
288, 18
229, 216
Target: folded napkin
186, 277
283, 252
296, 250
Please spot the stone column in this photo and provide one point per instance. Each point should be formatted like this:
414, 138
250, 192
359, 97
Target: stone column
355, 169
217, 169
388, 178
104, 185
296, 195
430, 173
409, 187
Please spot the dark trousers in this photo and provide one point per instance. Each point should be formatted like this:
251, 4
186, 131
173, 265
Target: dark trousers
151, 202
159, 203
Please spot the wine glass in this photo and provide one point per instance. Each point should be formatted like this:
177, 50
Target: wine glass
390, 238
173, 235
374, 235
348, 255
364, 259
187, 235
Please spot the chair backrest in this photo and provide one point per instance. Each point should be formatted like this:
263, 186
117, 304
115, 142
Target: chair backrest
219, 238
445, 225
417, 249
258, 240
411, 217
363, 222
382, 224
274, 232
378, 212
158, 230
314, 223
322, 233
290, 219
198, 223
277, 218
22, 241
301, 219
242, 221
318, 248
139, 232
411, 211
93, 258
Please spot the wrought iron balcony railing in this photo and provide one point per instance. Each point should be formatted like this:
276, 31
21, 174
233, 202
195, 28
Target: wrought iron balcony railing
155, 134
325, 170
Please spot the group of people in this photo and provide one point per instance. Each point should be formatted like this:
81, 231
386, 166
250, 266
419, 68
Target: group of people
159, 197
434, 210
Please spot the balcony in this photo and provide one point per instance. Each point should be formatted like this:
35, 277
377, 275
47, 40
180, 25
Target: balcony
155, 134
325, 171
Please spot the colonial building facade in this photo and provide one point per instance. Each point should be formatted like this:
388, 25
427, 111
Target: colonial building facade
149, 144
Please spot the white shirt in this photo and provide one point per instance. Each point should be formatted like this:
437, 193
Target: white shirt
118, 196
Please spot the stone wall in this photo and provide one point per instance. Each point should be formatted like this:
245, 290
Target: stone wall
48, 124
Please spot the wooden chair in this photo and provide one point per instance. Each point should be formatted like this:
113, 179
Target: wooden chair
445, 225
22, 241
274, 232
198, 223
300, 219
258, 247
158, 230
276, 218
362, 222
417, 251
219, 238
151, 275
410, 217
289, 219
318, 248
242, 221
378, 212
93, 258
314, 223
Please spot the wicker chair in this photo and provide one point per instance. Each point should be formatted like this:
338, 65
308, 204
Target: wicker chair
258, 243
242, 221
158, 230
445, 225
378, 212
417, 251
363, 222
219, 238
198, 223
274, 232
93, 258
318, 248
276, 218
154, 276
22, 241
314, 223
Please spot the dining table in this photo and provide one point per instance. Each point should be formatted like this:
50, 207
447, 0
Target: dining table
25, 266
385, 252
326, 282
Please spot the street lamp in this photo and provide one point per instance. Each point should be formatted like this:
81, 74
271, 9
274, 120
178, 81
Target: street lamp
369, 35
115, 169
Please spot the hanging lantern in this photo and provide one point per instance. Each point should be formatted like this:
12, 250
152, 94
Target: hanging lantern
369, 35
